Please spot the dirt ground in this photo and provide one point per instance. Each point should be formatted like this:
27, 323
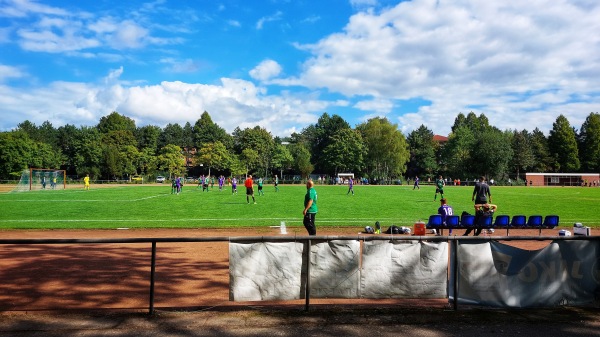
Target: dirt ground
117, 276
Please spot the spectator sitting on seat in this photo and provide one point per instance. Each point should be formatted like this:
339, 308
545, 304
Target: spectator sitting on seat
445, 210
481, 211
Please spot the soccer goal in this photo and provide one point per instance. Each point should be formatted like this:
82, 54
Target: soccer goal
42, 179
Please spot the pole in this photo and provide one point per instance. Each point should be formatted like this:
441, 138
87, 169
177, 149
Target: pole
455, 283
152, 273
307, 291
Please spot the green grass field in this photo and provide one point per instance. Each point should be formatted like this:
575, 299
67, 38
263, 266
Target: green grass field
153, 206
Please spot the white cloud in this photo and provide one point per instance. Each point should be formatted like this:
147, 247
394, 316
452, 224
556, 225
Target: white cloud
53, 35
22, 8
382, 106
464, 53
266, 70
231, 103
363, 3
275, 17
182, 66
7, 72
311, 19
234, 23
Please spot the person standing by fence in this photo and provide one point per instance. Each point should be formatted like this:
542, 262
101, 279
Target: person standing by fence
310, 208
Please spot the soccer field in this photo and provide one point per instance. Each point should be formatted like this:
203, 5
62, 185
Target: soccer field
153, 206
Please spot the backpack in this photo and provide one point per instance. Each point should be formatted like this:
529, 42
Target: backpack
393, 229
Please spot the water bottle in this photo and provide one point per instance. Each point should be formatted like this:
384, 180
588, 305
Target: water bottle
282, 227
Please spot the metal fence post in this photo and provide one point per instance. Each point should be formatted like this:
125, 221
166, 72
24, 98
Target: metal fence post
152, 273
455, 259
307, 292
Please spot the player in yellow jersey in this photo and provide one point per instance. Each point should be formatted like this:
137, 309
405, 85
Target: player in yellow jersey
86, 182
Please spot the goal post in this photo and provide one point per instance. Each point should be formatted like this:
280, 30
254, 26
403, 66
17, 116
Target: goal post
35, 179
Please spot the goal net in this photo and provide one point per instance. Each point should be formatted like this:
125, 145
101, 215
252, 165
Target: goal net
41, 179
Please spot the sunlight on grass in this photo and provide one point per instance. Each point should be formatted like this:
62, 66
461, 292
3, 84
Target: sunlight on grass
155, 206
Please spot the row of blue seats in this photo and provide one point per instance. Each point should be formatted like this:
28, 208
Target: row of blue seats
499, 221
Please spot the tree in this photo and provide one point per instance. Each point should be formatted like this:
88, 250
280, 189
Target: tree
236, 166
523, 157
422, 153
387, 149
213, 155
116, 143
48, 134
206, 131
492, 153
345, 152
46, 156
112, 165
563, 146
250, 159
282, 158
589, 139
147, 161
147, 137
19, 152
171, 134
472, 121
541, 152
30, 129
259, 140
319, 137
89, 151
130, 157
302, 162
171, 160
116, 122
67, 136
16, 148
457, 152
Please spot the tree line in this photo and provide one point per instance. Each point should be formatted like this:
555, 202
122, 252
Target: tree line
117, 149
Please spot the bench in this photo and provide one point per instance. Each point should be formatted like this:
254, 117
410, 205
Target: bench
497, 222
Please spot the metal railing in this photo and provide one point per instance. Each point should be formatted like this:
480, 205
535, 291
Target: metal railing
306, 239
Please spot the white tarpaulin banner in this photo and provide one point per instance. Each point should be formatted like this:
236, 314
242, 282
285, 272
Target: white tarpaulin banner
334, 269
563, 273
404, 269
263, 271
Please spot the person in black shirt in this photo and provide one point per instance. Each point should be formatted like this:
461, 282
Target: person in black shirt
481, 192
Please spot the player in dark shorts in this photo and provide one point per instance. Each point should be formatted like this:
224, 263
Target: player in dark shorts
249, 190
481, 192
439, 187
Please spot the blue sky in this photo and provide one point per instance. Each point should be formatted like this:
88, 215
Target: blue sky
281, 64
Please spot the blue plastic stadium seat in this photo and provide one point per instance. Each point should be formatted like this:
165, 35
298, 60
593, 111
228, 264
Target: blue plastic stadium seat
485, 222
518, 221
502, 221
435, 222
551, 221
534, 221
452, 221
467, 221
